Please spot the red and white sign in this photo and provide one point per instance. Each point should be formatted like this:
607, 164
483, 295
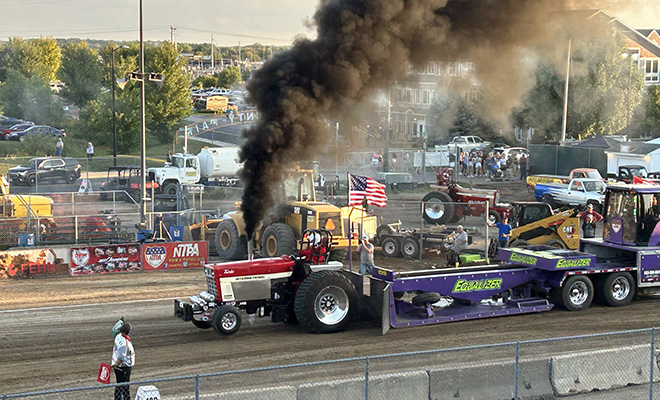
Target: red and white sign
104, 373
176, 255
105, 259
30, 261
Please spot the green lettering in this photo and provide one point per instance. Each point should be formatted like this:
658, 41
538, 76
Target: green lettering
519, 258
464, 286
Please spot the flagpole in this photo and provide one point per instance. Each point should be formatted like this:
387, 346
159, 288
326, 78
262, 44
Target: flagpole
350, 232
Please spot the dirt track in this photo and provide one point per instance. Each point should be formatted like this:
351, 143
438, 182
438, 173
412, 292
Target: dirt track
56, 332
63, 346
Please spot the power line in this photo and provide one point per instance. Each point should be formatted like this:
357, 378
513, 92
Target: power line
233, 34
80, 32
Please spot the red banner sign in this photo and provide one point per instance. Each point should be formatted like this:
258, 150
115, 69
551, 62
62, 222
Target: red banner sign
34, 262
105, 259
176, 255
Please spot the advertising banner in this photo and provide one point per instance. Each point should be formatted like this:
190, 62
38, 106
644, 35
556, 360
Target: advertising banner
177, 255
105, 259
35, 262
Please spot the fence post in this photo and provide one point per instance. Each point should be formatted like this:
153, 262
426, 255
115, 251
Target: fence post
515, 395
366, 378
196, 387
421, 233
75, 224
652, 363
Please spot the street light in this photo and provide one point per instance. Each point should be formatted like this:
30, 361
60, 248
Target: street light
114, 113
140, 76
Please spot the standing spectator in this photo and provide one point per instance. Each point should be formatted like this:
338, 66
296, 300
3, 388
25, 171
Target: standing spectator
523, 168
504, 232
90, 150
478, 171
366, 251
589, 219
123, 359
461, 240
509, 167
58, 147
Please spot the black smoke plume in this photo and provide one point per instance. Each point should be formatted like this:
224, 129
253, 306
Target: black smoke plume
365, 45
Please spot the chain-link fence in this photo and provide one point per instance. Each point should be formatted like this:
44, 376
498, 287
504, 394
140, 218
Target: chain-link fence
618, 365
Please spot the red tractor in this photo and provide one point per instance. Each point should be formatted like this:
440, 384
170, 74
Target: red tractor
305, 287
437, 206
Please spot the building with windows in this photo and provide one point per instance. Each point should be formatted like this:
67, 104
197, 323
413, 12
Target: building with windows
410, 99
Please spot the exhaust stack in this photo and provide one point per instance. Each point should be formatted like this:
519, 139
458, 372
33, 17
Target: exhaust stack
250, 249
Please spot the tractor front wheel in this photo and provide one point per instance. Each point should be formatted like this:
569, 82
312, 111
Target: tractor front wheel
226, 320
325, 302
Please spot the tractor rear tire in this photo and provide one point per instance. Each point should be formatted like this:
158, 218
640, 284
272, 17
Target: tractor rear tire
556, 243
437, 208
326, 302
278, 239
226, 320
228, 243
202, 324
390, 247
494, 217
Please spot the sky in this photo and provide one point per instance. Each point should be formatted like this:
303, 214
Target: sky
248, 21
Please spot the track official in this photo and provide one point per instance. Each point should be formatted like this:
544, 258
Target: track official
123, 359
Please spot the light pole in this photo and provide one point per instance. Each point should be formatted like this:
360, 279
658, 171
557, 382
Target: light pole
114, 113
143, 132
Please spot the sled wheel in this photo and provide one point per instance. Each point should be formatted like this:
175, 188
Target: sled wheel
616, 289
577, 293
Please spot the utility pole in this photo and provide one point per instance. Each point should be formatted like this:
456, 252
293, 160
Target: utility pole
212, 59
565, 116
386, 156
239, 54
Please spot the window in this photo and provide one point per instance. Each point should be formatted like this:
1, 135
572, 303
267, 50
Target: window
453, 68
407, 96
425, 97
651, 66
418, 96
398, 96
432, 68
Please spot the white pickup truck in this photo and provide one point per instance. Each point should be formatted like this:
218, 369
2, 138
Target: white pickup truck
465, 143
581, 191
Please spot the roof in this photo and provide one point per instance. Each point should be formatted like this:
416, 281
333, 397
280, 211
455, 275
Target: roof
641, 188
599, 142
638, 148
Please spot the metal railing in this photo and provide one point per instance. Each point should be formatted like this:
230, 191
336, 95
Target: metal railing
613, 365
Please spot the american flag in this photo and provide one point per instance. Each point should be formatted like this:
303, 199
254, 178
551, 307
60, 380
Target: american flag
361, 187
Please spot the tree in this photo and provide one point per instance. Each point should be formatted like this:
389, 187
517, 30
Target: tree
30, 99
96, 121
168, 105
229, 77
205, 81
81, 73
38, 57
603, 87
650, 124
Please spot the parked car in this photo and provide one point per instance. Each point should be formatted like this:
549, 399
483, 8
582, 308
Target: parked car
8, 122
15, 128
515, 151
464, 143
41, 130
47, 169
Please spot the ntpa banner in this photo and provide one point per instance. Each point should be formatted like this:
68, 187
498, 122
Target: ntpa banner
176, 255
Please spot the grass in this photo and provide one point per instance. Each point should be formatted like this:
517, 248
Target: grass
17, 153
